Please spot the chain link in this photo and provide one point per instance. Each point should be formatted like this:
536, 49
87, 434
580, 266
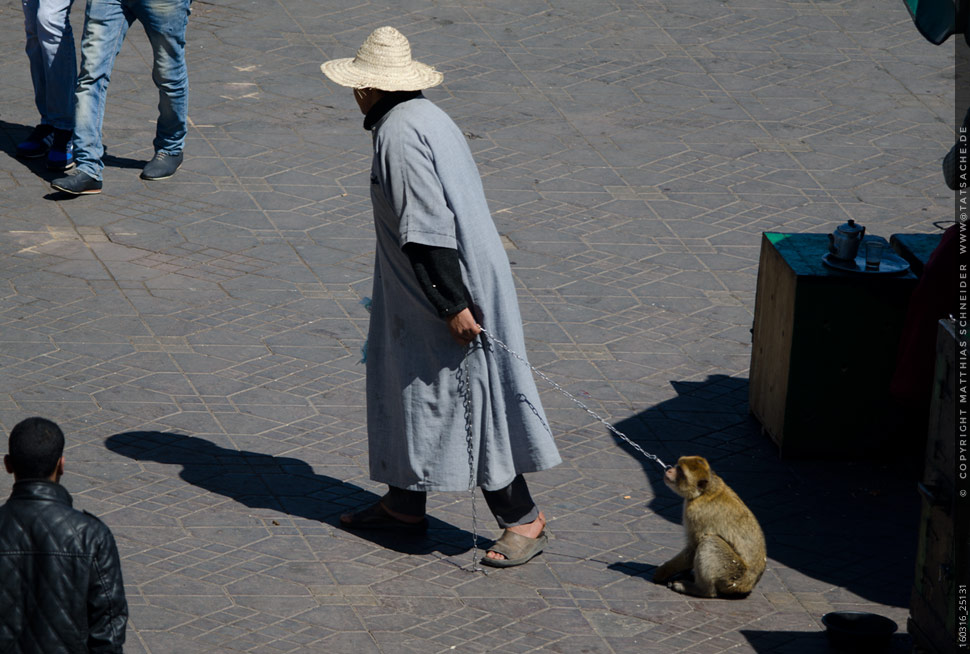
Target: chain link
652, 457
464, 390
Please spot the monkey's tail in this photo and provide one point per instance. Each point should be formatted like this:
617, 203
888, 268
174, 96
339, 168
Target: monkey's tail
749, 578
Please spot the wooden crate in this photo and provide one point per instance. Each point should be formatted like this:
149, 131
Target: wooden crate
823, 349
933, 601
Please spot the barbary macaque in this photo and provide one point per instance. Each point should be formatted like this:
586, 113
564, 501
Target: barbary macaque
725, 544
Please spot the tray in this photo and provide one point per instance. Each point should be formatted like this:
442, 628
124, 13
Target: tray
891, 264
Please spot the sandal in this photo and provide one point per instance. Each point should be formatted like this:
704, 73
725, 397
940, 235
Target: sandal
516, 549
376, 517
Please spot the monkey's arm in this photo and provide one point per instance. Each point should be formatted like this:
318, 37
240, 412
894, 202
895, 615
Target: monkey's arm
681, 563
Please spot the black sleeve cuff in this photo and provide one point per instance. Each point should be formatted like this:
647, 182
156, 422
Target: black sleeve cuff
439, 274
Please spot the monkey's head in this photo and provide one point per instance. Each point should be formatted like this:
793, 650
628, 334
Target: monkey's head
690, 478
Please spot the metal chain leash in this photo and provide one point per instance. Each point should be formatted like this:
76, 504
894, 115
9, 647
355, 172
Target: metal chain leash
652, 457
464, 389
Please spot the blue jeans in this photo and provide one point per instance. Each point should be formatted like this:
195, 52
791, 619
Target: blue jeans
53, 64
105, 24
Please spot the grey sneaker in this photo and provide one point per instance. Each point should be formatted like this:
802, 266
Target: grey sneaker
80, 183
162, 166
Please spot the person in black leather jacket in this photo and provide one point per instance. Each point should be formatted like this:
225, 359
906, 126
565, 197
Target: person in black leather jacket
60, 575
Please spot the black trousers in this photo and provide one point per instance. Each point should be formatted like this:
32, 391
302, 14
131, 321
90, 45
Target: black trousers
511, 506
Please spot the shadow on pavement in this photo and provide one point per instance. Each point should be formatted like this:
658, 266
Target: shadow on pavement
847, 524
111, 161
13, 133
288, 485
800, 642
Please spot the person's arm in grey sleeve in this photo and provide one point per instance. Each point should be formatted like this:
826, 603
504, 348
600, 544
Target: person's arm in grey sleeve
107, 607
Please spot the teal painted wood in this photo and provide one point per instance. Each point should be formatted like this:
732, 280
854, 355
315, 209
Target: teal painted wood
915, 248
804, 252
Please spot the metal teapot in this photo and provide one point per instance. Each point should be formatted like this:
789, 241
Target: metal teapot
844, 242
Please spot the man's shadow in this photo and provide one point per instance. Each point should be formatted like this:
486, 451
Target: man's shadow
288, 485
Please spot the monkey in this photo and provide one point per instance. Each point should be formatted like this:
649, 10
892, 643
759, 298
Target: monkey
725, 544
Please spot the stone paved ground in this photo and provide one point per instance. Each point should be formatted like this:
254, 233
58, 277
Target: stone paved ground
198, 338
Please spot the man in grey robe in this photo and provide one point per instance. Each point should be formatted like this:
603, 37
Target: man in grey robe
446, 408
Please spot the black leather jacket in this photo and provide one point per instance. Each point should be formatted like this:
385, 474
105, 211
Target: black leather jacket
60, 576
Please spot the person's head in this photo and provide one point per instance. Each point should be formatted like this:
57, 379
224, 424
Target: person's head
383, 63
35, 450
367, 98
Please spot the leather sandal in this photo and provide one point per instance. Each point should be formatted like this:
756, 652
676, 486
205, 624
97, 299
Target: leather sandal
376, 517
516, 549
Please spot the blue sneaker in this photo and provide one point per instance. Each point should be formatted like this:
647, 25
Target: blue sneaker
37, 143
61, 155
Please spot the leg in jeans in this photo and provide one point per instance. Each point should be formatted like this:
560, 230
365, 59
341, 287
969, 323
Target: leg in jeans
512, 505
53, 62
105, 24
165, 22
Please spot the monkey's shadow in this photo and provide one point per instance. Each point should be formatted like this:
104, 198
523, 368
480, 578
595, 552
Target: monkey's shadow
278, 483
847, 524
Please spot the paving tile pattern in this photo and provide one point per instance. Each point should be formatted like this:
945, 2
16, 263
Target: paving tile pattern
199, 338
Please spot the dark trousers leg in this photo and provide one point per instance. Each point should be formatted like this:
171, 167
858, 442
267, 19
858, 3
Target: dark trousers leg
513, 504
404, 501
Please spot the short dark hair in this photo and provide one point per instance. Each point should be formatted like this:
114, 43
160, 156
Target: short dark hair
35, 447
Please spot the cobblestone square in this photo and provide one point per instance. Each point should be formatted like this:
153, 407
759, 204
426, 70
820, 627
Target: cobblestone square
198, 338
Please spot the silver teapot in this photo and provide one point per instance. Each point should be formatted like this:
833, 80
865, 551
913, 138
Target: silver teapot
844, 242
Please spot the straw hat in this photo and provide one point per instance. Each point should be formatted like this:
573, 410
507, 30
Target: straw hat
383, 62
